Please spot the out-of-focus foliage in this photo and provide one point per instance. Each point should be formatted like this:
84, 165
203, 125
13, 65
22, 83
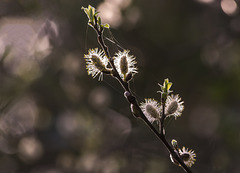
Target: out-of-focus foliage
54, 118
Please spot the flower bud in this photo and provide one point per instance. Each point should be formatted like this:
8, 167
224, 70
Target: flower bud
151, 109
125, 64
174, 106
127, 95
96, 63
188, 156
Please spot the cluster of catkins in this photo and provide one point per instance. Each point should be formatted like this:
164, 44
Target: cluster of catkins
98, 63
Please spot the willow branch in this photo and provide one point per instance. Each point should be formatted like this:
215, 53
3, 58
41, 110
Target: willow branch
133, 101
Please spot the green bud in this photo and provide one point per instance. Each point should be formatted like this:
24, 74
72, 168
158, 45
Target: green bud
91, 13
166, 85
165, 89
99, 20
174, 144
106, 25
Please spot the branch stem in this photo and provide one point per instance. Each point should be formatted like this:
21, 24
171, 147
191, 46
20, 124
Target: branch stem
132, 100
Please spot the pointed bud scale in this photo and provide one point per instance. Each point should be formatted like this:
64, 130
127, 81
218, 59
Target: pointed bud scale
174, 160
135, 110
127, 94
128, 77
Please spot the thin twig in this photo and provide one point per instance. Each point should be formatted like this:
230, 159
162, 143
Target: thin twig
132, 100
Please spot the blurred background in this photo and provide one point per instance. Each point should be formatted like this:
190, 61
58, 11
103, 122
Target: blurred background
54, 118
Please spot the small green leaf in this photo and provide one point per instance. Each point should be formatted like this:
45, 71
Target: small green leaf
91, 14
165, 89
166, 85
99, 20
169, 86
106, 25
93, 9
96, 13
89, 7
86, 11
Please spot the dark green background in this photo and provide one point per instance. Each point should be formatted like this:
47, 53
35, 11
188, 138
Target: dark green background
81, 125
